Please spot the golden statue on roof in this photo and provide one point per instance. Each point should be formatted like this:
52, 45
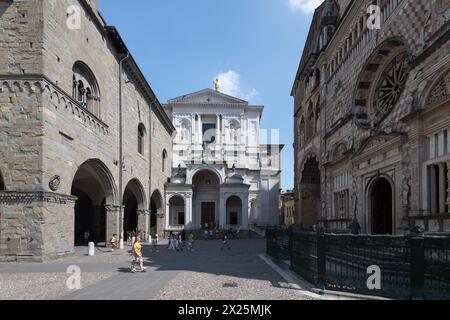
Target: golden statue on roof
216, 84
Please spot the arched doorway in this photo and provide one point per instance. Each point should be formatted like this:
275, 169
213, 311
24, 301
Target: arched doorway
2, 184
310, 192
206, 198
133, 200
155, 209
94, 187
234, 211
176, 211
381, 206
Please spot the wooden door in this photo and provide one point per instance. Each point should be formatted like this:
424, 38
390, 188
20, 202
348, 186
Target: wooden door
208, 213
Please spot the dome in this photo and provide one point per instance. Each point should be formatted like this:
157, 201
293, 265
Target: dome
179, 178
234, 178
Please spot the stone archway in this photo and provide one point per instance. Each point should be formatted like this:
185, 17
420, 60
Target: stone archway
156, 213
206, 198
381, 204
94, 187
310, 192
134, 214
177, 216
381, 82
234, 211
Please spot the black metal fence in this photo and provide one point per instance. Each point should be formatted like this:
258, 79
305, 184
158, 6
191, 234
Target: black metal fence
410, 267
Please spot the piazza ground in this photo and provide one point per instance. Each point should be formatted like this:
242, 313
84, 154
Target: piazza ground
206, 273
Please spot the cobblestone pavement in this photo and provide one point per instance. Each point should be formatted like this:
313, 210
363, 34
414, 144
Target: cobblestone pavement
206, 273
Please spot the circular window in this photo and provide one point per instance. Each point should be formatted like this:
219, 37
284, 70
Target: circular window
390, 86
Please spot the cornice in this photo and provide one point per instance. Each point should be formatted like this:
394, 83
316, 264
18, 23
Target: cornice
16, 197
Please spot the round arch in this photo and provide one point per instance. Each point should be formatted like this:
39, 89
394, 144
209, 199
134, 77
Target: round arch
94, 187
380, 202
176, 213
433, 92
135, 187
97, 168
133, 201
393, 51
233, 206
211, 170
157, 207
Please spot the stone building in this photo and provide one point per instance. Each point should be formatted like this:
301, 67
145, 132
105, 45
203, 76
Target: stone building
76, 159
372, 117
223, 173
287, 208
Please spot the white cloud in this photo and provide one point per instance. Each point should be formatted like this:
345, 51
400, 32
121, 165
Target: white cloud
230, 83
306, 6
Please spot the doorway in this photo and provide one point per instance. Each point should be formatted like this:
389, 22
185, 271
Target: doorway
381, 207
208, 213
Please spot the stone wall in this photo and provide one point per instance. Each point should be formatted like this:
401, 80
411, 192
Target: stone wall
46, 135
420, 28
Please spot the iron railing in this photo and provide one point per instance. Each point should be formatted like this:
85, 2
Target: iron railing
410, 266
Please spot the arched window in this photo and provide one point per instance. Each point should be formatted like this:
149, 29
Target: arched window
85, 88
141, 139
317, 117
164, 159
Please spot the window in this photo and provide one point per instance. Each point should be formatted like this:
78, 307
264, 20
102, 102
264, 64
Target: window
164, 159
437, 186
141, 139
341, 203
209, 133
85, 89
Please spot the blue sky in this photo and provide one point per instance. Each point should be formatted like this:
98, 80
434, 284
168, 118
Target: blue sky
255, 45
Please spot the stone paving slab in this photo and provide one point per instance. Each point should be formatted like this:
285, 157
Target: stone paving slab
206, 273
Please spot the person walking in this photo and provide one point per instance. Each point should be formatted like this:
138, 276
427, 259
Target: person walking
155, 242
113, 242
225, 243
191, 242
137, 256
355, 227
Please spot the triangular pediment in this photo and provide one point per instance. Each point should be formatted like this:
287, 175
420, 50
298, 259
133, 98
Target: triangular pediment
374, 144
207, 96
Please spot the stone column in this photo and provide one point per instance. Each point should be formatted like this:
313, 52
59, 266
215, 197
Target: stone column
167, 220
188, 223
218, 131
200, 130
222, 212
112, 221
442, 191
433, 204
143, 221
245, 212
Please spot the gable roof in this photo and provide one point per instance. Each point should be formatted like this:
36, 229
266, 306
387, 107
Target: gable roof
207, 96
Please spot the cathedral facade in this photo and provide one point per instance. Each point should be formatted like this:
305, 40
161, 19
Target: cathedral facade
372, 117
85, 145
224, 176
